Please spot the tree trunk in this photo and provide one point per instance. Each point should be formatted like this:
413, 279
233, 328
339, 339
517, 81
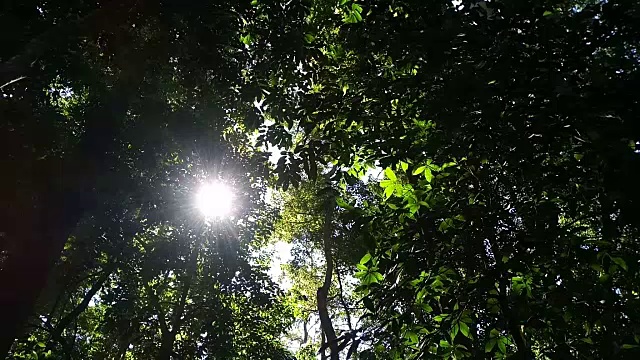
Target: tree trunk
523, 350
37, 224
166, 348
323, 346
323, 292
343, 302
169, 336
305, 332
64, 192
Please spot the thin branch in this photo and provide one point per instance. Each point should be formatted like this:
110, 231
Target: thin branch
80, 308
156, 304
305, 332
342, 301
353, 348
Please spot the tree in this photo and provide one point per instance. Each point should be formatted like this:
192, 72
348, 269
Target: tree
508, 141
505, 132
324, 250
158, 282
117, 77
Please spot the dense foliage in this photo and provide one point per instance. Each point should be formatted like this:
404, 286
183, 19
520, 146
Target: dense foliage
456, 179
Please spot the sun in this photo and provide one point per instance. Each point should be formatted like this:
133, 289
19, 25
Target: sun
214, 200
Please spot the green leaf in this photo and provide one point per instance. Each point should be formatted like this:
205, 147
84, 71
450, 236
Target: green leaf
502, 345
386, 183
454, 331
343, 204
445, 224
388, 192
547, 13
629, 346
464, 329
412, 337
246, 39
370, 278
439, 318
444, 344
365, 259
620, 262
578, 156
419, 170
597, 267
404, 166
390, 174
489, 346
308, 38
413, 208
428, 175
436, 283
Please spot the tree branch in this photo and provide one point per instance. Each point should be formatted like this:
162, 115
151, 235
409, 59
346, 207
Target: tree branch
80, 308
342, 301
156, 304
353, 348
305, 332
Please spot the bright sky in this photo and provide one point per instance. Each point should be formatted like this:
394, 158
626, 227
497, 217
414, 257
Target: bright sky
281, 255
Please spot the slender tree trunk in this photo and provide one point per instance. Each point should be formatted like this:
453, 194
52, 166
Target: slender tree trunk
523, 350
70, 317
305, 332
166, 348
323, 346
167, 336
123, 350
323, 292
168, 340
343, 302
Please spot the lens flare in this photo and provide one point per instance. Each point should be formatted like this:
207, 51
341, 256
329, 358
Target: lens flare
214, 200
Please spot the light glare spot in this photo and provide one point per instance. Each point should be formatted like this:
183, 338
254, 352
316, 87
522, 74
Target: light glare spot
214, 200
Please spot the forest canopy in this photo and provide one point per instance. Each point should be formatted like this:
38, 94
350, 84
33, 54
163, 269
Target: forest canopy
430, 179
